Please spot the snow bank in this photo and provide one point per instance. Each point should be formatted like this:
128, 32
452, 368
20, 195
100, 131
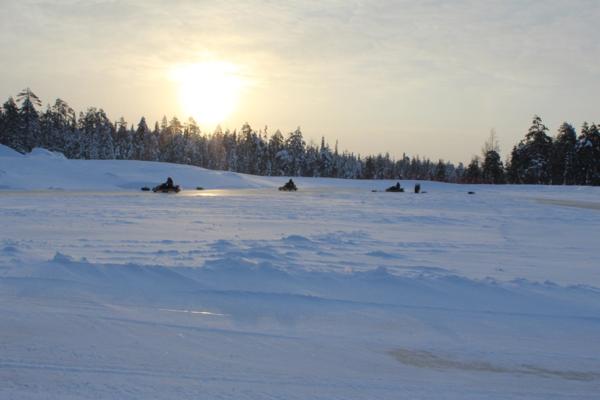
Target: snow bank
43, 153
42, 170
6, 151
45, 170
374, 287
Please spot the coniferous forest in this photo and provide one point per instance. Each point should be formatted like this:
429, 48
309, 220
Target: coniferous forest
568, 158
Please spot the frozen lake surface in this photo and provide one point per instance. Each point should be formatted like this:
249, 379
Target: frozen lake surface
333, 292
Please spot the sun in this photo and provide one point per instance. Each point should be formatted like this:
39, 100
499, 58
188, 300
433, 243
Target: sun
208, 91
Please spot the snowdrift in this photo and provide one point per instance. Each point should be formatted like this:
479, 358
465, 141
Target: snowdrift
45, 170
332, 292
6, 151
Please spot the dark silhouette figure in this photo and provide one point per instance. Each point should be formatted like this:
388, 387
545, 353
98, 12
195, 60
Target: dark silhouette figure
395, 188
290, 186
418, 188
167, 186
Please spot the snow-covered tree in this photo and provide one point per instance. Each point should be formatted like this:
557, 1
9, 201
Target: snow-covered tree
97, 135
536, 159
275, 155
325, 159
492, 170
123, 141
588, 155
139, 140
531, 158
11, 133
440, 173
563, 156
295, 147
473, 172
29, 119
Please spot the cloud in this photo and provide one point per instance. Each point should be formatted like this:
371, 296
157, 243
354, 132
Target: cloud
494, 62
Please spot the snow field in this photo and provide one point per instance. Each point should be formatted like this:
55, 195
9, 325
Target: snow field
333, 292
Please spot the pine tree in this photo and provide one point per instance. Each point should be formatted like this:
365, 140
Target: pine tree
97, 135
588, 155
311, 161
295, 147
473, 172
151, 146
492, 169
216, 150
176, 148
440, 173
325, 160
123, 141
262, 152
563, 156
595, 138
139, 139
191, 136
231, 150
530, 160
57, 124
513, 166
274, 154
248, 150
369, 170
30, 127
10, 134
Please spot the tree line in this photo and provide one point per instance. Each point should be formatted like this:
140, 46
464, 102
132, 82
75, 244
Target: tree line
537, 159
566, 159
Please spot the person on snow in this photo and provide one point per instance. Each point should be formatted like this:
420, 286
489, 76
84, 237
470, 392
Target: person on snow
166, 186
290, 185
395, 188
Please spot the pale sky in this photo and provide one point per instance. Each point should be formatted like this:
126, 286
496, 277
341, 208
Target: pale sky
423, 77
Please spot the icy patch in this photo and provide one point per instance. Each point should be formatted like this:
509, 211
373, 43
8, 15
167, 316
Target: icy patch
194, 312
430, 360
571, 203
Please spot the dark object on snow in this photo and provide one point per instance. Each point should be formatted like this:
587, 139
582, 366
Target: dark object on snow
167, 187
290, 186
396, 188
163, 189
418, 188
470, 192
145, 189
199, 188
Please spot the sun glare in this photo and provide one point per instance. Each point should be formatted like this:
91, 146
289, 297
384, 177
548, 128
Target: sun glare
208, 91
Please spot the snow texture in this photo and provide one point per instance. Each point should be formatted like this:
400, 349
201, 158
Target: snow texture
333, 292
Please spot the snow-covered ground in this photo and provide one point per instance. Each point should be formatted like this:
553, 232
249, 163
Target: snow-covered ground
333, 292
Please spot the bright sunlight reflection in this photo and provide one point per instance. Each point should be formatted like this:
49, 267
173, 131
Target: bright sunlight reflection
208, 91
